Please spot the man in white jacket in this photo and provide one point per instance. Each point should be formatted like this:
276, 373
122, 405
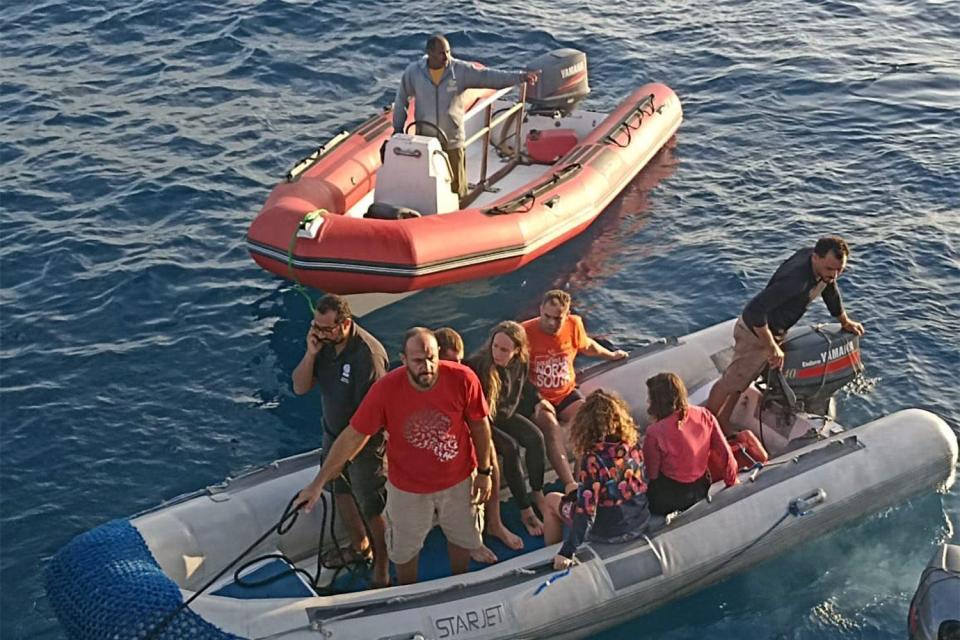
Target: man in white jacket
438, 81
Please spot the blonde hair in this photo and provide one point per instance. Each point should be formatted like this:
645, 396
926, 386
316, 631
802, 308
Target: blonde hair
603, 414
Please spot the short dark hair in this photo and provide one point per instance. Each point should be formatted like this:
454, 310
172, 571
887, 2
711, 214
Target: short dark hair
415, 331
559, 296
435, 41
667, 395
832, 244
333, 302
447, 338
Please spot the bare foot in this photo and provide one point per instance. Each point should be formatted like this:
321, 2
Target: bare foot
504, 535
531, 522
380, 582
483, 555
539, 501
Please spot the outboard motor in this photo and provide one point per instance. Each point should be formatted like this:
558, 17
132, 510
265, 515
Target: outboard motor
818, 361
562, 83
935, 608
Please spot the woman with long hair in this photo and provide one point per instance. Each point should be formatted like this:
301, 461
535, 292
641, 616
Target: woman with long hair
677, 446
502, 365
609, 504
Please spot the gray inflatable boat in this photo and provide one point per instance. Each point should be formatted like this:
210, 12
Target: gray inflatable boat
935, 608
132, 575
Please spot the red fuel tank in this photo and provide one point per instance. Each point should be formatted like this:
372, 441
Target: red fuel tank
546, 147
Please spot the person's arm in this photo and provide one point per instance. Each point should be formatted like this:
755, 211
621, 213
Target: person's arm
344, 448
774, 352
585, 513
303, 374
480, 435
719, 444
487, 78
404, 93
832, 298
597, 350
651, 456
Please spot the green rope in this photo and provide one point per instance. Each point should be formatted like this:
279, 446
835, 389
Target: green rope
298, 286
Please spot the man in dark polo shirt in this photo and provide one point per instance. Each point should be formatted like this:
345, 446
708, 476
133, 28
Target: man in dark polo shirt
344, 361
759, 331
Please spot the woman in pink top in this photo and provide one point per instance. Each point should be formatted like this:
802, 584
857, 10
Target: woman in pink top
677, 446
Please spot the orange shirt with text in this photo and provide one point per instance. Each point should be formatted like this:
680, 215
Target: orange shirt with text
551, 356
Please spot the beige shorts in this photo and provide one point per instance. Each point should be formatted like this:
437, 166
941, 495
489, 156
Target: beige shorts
410, 516
749, 357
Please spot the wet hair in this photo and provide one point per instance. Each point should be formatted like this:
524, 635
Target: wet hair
832, 244
448, 339
487, 369
667, 395
333, 302
556, 295
435, 41
413, 332
603, 416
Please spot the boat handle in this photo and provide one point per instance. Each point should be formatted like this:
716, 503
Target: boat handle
804, 505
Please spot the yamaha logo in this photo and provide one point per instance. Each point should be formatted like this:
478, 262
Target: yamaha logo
569, 71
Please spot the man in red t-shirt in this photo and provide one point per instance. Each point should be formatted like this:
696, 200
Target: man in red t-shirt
435, 418
556, 337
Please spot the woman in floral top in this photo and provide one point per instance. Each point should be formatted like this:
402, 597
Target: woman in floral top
610, 504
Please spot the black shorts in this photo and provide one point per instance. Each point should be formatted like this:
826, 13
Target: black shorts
366, 473
569, 399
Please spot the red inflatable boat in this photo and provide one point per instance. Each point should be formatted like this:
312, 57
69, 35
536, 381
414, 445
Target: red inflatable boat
540, 171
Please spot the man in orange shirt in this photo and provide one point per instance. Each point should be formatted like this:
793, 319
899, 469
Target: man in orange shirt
556, 337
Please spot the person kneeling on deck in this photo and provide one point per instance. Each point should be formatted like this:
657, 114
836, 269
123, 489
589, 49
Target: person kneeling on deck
676, 448
437, 82
435, 418
609, 504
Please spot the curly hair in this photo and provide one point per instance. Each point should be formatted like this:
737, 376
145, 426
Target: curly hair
603, 416
486, 367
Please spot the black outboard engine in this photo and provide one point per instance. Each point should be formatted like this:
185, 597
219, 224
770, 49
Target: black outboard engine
818, 361
562, 83
935, 608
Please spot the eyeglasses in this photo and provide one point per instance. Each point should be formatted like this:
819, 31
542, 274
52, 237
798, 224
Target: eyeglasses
332, 329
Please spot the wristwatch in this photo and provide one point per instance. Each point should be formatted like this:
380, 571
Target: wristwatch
485, 472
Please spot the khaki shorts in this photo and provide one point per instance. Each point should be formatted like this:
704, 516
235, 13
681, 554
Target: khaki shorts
410, 516
458, 164
749, 358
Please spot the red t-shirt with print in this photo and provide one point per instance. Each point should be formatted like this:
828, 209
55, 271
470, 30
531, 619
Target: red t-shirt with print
552, 356
428, 440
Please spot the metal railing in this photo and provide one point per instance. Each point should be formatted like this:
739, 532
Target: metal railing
489, 124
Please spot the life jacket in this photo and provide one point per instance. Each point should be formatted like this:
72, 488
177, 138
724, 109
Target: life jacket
747, 450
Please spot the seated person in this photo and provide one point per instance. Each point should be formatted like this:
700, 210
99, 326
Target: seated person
502, 364
451, 348
556, 336
609, 504
676, 448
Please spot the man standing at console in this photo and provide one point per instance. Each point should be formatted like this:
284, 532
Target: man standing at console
760, 329
438, 82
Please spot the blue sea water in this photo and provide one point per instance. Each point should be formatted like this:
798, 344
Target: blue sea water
143, 354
